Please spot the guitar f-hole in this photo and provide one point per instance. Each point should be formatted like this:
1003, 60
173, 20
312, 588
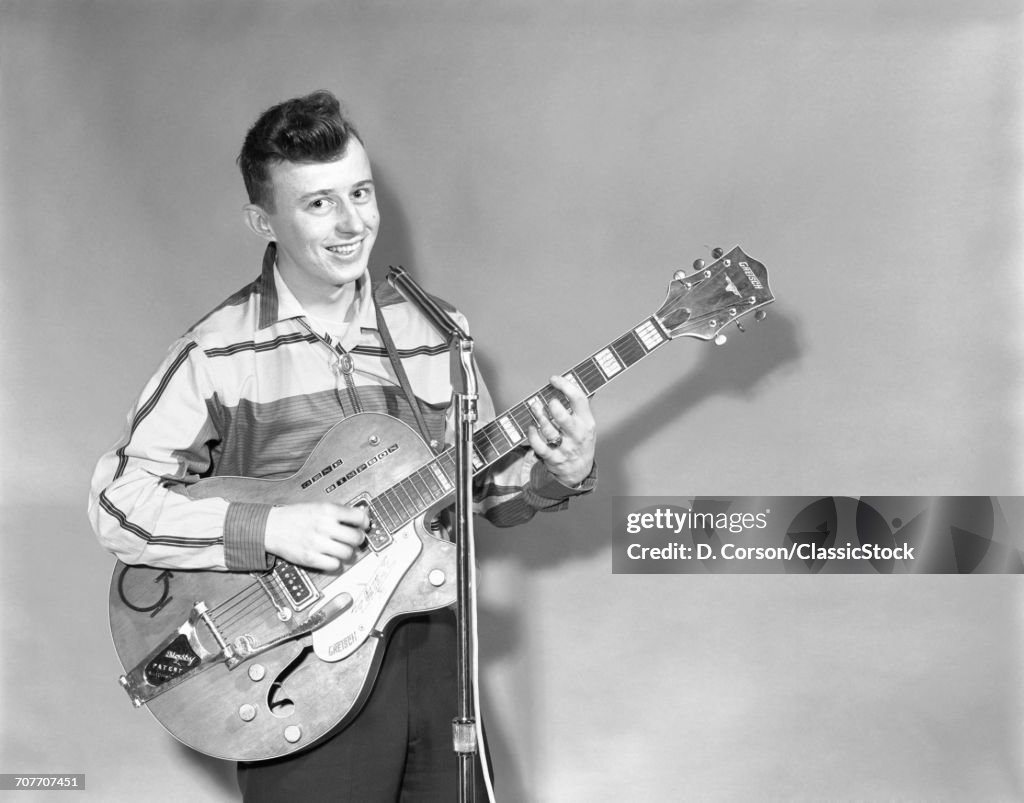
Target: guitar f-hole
279, 701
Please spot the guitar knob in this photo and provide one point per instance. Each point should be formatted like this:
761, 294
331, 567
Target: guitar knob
717, 252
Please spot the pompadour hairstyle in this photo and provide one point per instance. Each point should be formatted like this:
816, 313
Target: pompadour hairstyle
311, 128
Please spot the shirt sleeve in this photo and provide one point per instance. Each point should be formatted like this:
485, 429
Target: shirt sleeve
138, 502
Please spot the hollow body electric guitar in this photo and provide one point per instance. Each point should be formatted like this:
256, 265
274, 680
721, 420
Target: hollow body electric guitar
252, 666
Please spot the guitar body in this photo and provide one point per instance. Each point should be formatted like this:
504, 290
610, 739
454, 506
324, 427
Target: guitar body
269, 701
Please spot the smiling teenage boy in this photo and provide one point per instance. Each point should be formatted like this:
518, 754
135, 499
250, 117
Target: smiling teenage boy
251, 389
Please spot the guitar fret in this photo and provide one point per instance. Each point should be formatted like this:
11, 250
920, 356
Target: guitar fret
397, 507
405, 512
500, 439
549, 394
591, 378
387, 511
380, 518
485, 448
487, 438
629, 348
524, 417
408, 504
441, 477
419, 487
434, 489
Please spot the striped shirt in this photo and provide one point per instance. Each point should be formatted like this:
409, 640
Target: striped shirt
249, 391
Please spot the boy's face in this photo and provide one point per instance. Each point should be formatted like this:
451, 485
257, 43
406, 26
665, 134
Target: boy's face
325, 222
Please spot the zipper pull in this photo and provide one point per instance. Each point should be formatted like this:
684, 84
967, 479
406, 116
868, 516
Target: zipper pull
343, 364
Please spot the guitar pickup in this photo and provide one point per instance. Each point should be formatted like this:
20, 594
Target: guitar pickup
289, 589
376, 537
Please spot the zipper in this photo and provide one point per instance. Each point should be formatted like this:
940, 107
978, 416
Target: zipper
342, 366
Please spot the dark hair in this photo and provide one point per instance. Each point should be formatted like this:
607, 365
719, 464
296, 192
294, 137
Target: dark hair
311, 128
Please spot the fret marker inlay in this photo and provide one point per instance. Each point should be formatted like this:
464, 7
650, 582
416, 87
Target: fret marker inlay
511, 430
608, 363
649, 335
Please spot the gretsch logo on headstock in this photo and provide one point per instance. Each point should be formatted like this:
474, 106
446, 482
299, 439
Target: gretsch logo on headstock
752, 276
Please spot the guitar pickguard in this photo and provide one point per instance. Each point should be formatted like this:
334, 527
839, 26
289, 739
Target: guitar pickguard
370, 583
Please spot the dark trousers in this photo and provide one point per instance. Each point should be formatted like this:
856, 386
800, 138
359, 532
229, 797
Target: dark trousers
399, 747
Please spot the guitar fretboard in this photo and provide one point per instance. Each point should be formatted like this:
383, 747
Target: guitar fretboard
435, 481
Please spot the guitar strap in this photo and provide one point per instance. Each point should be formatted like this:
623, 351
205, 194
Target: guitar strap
399, 369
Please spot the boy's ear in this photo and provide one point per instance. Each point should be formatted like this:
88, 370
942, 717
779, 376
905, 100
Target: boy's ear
258, 221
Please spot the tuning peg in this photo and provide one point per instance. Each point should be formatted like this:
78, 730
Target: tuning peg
716, 252
740, 326
698, 264
679, 275
720, 339
760, 315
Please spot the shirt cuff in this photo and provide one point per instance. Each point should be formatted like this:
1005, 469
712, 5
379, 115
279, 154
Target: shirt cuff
245, 528
545, 485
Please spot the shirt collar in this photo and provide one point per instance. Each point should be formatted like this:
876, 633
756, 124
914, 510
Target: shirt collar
278, 303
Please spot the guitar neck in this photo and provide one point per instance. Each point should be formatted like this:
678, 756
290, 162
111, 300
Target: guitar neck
434, 482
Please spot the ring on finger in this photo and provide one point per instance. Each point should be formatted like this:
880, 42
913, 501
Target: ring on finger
555, 442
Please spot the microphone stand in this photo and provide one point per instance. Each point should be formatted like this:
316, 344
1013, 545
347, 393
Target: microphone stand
460, 346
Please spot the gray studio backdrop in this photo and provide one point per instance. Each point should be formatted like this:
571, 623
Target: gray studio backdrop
547, 166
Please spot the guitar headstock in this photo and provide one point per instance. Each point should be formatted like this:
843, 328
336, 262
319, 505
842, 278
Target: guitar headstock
705, 302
